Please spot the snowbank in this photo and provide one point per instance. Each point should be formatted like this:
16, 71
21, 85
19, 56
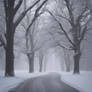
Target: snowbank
82, 82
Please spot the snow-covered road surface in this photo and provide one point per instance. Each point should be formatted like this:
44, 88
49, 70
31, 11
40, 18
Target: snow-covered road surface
45, 83
82, 82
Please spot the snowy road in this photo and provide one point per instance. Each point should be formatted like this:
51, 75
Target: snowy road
45, 83
82, 82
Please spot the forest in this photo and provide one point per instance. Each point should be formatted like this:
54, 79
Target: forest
45, 35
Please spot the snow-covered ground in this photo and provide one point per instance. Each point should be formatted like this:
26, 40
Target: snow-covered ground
82, 82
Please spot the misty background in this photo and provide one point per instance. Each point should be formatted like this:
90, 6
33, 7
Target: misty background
53, 56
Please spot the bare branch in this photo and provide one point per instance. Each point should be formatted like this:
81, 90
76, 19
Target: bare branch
64, 47
83, 34
33, 50
17, 6
22, 15
36, 15
22, 24
58, 43
69, 7
81, 15
2, 42
5, 6
60, 25
61, 16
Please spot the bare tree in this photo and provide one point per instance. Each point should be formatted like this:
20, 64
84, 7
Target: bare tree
11, 10
78, 26
30, 33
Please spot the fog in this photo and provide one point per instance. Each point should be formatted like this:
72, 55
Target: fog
54, 58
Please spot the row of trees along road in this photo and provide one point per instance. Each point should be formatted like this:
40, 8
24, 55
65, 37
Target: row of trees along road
72, 17
75, 15
30, 32
11, 9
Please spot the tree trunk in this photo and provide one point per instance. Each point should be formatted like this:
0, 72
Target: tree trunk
45, 66
41, 56
10, 29
76, 63
67, 60
40, 65
68, 68
31, 62
9, 69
